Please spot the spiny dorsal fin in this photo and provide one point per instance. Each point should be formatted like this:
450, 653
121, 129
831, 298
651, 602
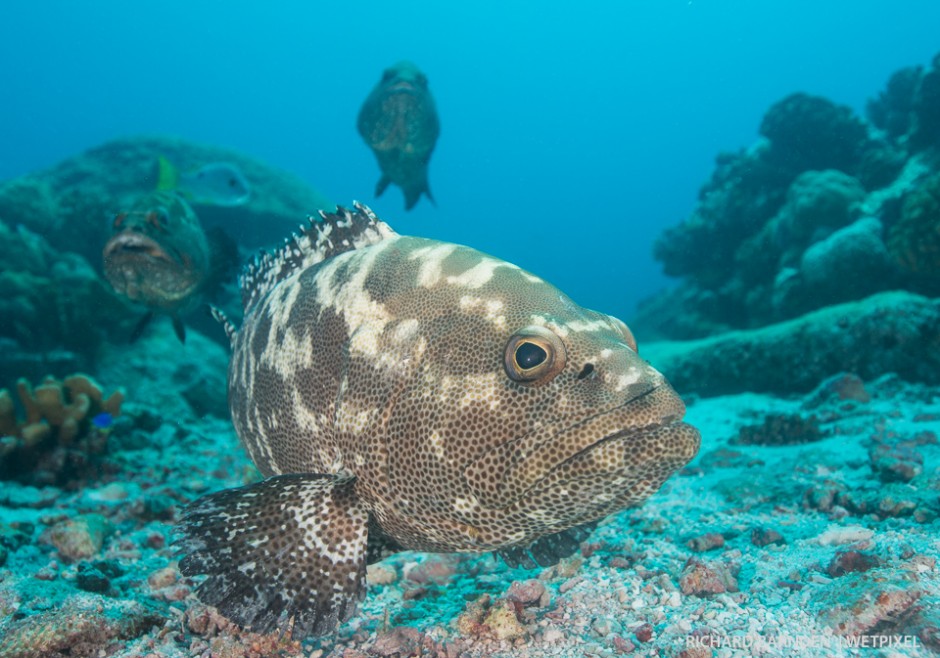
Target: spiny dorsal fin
227, 325
337, 232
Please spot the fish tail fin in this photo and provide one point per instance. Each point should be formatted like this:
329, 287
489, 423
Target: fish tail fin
289, 547
168, 176
380, 187
413, 194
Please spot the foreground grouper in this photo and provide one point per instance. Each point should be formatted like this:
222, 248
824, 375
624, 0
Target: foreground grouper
402, 393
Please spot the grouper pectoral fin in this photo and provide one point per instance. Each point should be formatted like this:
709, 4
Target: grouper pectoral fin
179, 329
141, 325
290, 548
548, 550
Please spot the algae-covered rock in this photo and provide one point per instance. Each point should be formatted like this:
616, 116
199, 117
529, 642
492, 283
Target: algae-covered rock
51, 301
891, 110
84, 625
810, 132
914, 240
182, 381
878, 601
774, 232
818, 202
80, 538
926, 109
852, 263
744, 192
891, 332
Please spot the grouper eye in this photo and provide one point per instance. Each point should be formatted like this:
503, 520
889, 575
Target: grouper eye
534, 355
528, 355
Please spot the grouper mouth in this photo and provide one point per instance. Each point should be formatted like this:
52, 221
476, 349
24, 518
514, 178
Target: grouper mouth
641, 433
140, 268
404, 87
132, 246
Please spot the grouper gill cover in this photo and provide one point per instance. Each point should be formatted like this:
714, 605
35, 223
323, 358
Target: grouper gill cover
402, 393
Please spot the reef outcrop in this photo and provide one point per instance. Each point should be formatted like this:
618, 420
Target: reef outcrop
55, 310
892, 332
826, 208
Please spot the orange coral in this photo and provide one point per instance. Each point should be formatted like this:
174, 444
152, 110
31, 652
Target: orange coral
57, 414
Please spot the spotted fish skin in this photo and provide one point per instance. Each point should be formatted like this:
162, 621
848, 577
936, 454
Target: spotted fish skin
461, 403
399, 122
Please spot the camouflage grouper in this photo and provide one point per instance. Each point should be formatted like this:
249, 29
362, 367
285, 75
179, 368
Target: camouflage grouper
402, 393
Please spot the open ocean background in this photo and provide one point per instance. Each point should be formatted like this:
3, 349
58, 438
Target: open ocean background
572, 134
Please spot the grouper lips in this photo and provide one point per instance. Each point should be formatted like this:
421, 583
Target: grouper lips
645, 429
131, 245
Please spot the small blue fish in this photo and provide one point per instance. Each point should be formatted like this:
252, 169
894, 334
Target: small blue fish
213, 184
103, 421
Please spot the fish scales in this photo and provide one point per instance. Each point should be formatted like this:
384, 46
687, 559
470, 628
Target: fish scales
454, 401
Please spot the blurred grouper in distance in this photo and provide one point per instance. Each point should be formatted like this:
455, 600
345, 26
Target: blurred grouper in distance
399, 123
159, 256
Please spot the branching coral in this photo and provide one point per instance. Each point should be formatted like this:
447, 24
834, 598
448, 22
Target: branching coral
63, 426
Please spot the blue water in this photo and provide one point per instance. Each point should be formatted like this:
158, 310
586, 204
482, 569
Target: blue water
572, 134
